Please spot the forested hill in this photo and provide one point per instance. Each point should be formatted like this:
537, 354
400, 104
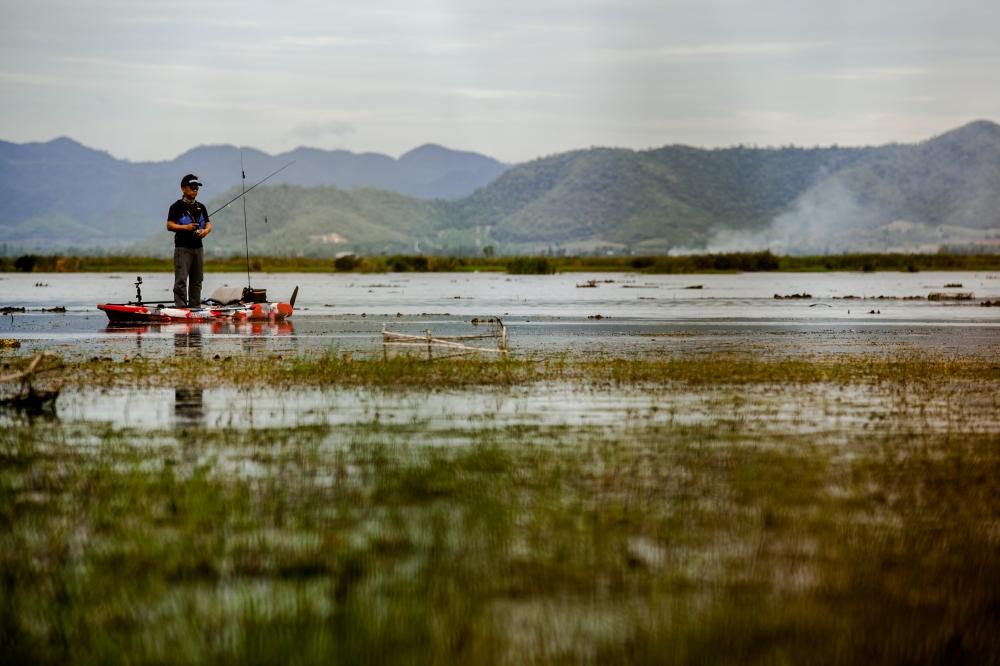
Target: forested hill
655, 199
61, 194
940, 192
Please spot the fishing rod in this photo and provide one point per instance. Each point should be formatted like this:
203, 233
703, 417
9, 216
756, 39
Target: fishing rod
246, 234
247, 190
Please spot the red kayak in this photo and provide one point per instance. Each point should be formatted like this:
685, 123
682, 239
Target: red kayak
157, 313
222, 306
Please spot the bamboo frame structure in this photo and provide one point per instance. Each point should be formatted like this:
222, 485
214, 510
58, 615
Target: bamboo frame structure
455, 343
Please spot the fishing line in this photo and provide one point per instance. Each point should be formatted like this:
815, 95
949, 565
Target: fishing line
247, 191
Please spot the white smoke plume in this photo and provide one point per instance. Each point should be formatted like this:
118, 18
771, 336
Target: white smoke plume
831, 219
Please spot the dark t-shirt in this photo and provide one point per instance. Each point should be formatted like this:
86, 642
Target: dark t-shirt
183, 212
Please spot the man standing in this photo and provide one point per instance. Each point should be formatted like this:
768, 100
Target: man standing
188, 219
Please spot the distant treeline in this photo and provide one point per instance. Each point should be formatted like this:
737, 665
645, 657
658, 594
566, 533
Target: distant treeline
695, 263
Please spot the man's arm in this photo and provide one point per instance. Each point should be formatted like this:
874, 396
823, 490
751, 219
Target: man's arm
173, 226
206, 231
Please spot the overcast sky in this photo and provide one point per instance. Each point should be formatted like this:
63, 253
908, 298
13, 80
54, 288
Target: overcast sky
514, 79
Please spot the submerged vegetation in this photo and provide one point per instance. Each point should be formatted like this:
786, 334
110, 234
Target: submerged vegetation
836, 509
410, 372
399, 263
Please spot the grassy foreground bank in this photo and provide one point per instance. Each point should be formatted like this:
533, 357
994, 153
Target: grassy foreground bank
706, 263
866, 533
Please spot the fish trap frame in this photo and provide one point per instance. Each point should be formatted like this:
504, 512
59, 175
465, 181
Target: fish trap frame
458, 345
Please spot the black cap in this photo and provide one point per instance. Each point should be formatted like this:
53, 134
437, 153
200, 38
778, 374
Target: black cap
190, 180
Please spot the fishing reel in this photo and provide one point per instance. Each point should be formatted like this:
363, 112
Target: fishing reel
251, 295
138, 290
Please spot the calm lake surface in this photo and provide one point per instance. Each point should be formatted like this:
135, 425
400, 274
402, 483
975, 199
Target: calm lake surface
624, 312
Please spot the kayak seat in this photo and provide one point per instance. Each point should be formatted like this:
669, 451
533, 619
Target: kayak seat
225, 296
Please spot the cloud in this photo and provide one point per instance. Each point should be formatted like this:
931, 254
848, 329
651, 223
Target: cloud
693, 52
311, 42
879, 73
499, 93
146, 68
317, 131
55, 80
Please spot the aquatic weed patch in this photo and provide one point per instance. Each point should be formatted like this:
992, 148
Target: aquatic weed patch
648, 541
831, 510
410, 373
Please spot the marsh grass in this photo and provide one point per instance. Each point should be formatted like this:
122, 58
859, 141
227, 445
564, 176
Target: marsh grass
407, 372
655, 546
642, 542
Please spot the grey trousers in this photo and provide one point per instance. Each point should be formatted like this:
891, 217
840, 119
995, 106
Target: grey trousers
189, 269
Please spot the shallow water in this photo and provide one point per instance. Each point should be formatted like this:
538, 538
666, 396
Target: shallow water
437, 416
624, 313
743, 296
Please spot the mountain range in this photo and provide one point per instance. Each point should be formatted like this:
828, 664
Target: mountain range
897, 197
61, 194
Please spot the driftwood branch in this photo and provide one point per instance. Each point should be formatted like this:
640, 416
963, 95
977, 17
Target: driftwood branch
28, 395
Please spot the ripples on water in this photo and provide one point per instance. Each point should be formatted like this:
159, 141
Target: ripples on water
623, 313
618, 295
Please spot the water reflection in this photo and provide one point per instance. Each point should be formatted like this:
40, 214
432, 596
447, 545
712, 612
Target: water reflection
198, 340
189, 402
189, 407
250, 328
187, 341
27, 415
221, 326
443, 416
